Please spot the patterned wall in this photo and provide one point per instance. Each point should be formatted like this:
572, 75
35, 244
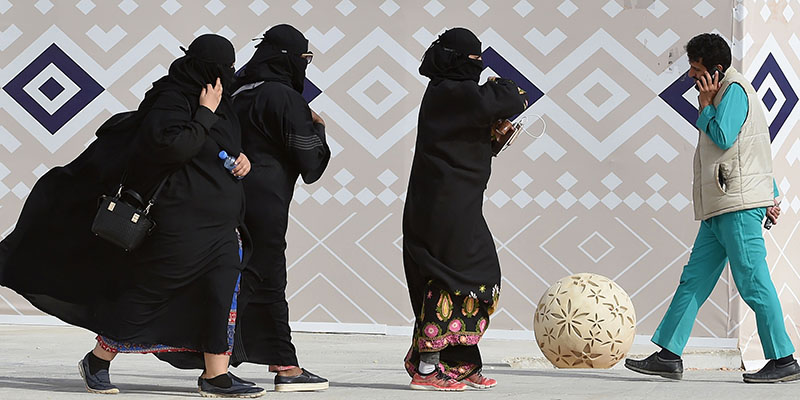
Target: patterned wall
772, 62
607, 190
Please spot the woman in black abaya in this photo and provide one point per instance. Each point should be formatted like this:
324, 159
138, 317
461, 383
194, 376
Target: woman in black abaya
177, 292
450, 261
285, 139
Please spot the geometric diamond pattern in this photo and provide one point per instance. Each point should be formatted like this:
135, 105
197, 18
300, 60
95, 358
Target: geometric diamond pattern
605, 190
56, 68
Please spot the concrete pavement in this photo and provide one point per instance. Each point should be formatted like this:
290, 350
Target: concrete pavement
40, 363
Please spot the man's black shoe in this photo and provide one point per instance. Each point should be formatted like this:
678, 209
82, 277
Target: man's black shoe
655, 365
237, 390
772, 373
306, 381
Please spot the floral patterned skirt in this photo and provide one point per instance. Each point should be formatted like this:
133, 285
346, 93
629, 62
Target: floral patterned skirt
451, 324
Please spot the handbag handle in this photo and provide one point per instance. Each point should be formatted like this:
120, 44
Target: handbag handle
153, 198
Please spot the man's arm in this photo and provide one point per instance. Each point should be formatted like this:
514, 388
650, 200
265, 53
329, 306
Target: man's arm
723, 123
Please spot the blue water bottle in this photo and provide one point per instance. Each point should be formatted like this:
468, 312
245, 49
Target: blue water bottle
228, 162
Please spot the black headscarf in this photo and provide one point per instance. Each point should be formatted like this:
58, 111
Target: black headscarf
448, 57
209, 57
277, 58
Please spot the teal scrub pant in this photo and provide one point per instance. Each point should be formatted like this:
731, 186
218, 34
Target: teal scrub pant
734, 237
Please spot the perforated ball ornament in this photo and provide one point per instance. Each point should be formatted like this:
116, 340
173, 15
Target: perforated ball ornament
585, 321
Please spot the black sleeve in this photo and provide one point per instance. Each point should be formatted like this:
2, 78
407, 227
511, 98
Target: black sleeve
304, 139
171, 134
499, 99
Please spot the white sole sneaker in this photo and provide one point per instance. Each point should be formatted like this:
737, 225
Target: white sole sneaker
86, 385
301, 387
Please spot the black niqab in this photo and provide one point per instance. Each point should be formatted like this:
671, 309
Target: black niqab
277, 59
208, 57
448, 57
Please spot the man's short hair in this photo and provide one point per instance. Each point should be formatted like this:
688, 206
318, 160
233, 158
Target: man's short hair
711, 48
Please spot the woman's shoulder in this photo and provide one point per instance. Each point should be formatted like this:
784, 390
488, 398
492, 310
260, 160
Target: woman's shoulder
281, 94
168, 97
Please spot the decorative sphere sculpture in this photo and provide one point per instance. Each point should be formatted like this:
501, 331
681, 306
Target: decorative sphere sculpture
585, 321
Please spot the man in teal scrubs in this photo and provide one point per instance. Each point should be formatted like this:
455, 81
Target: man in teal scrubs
733, 192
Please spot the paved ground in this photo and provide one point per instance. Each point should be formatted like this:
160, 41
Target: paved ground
40, 363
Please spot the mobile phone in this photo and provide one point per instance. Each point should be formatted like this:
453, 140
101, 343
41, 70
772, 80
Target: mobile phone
711, 72
768, 223
719, 71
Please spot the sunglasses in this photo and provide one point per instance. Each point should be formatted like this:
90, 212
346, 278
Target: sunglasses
307, 56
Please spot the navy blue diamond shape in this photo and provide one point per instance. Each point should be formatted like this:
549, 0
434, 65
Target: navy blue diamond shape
493, 60
769, 99
51, 88
89, 88
771, 67
310, 91
673, 96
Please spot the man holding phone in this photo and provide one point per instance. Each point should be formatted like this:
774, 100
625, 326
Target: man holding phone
733, 192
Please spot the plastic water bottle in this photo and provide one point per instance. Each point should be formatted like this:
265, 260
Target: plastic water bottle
228, 162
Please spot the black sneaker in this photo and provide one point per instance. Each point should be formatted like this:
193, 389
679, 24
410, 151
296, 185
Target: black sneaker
234, 378
772, 373
304, 382
655, 365
97, 383
237, 390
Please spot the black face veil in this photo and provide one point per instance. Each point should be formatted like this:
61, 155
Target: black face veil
208, 57
448, 57
278, 58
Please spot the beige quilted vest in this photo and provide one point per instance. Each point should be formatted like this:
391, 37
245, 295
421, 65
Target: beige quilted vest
740, 177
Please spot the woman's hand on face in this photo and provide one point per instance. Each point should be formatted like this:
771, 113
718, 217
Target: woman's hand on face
242, 166
210, 96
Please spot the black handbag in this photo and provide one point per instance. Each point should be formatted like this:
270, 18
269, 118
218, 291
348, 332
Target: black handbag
124, 219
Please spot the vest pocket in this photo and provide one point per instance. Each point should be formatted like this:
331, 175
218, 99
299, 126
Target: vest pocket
722, 172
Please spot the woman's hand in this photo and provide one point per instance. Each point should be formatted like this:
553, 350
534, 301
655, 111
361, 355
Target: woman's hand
210, 96
242, 166
316, 118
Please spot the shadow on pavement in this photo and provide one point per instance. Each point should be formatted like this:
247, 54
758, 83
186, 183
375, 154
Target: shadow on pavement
600, 375
366, 385
60, 385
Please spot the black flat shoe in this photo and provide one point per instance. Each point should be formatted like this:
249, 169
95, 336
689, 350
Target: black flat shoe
100, 382
655, 365
772, 373
304, 382
238, 390
234, 378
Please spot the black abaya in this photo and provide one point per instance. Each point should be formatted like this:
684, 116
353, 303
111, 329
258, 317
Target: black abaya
447, 245
283, 142
176, 289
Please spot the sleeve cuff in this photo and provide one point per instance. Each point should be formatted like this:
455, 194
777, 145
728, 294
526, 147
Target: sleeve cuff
205, 117
705, 117
319, 129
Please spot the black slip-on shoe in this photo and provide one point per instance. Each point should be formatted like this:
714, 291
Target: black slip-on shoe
234, 378
304, 382
772, 373
238, 390
655, 365
100, 382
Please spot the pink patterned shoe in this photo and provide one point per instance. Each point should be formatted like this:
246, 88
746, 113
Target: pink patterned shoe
478, 381
436, 381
